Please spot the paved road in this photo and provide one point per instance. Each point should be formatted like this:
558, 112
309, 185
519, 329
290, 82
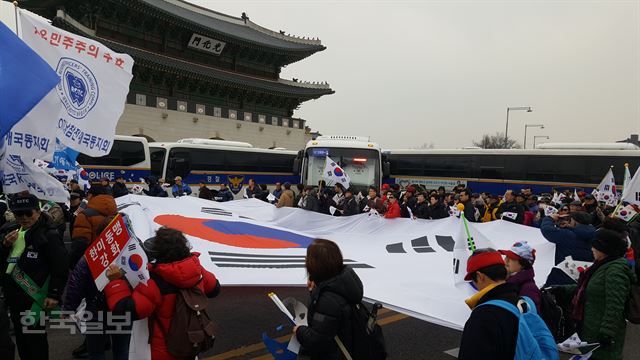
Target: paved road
243, 313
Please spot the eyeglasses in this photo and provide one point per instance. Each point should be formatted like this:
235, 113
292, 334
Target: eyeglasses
23, 213
390, 197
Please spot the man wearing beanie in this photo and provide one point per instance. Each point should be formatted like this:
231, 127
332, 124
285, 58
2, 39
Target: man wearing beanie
491, 331
598, 300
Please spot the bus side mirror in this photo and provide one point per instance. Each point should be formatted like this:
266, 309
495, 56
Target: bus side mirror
297, 163
386, 169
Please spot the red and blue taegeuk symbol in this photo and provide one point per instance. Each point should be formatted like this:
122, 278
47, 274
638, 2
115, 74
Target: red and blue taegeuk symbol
337, 171
235, 233
135, 262
84, 175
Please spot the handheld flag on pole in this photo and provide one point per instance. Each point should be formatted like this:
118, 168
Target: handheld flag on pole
25, 78
334, 174
575, 196
631, 191
606, 191
627, 176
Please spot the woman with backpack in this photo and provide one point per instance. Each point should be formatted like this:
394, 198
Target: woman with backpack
176, 279
597, 302
335, 289
519, 262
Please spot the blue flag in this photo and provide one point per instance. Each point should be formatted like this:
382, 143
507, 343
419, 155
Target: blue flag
25, 78
64, 158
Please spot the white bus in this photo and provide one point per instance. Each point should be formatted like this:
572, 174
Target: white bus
359, 157
215, 162
129, 158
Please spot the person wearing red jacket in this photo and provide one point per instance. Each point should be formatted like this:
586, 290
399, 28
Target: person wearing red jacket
172, 267
393, 209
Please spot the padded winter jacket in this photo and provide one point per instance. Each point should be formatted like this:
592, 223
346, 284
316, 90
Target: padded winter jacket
87, 222
157, 298
330, 312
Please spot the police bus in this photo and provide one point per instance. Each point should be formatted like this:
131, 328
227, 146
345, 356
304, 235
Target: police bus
549, 167
129, 158
359, 157
215, 162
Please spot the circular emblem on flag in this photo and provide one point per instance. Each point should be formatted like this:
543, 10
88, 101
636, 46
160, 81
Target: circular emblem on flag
135, 262
623, 212
78, 87
84, 175
338, 172
606, 197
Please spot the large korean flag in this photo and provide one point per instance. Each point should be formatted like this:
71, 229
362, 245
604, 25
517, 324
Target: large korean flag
84, 108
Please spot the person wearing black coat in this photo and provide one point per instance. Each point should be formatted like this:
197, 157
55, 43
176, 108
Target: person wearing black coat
154, 188
350, 204
491, 332
511, 206
421, 208
437, 209
33, 248
310, 200
224, 194
119, 187
334, 290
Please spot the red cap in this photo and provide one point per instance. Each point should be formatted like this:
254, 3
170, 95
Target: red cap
411, 189
385, 186
482, 260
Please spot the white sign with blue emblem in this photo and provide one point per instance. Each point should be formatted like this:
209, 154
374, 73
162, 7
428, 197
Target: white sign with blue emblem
94, 82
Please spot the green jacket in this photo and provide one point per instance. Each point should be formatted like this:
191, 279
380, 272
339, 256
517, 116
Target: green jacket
607, 293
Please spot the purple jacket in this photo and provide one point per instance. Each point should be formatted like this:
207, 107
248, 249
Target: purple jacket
526, 285
81, 286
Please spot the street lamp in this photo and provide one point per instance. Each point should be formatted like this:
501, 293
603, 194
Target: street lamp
536, 137
506, 128
525, 131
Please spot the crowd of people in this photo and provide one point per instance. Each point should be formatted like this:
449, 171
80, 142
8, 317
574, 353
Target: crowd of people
38, 273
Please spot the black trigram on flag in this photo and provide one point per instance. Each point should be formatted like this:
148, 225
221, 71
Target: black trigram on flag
132, 247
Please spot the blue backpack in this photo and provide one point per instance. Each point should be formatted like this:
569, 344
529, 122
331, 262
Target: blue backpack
535, 341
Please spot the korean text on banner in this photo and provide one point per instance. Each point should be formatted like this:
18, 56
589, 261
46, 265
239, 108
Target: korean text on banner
105, 249
93, 87
20, 175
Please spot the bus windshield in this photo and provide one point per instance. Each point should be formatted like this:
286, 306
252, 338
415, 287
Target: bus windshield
157, 155
362, 165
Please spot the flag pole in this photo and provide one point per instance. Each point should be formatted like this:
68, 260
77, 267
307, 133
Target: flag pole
470, 242
15, 8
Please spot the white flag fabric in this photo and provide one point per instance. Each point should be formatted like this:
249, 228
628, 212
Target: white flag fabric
24, 175
509, 215
627, 177
631, 191
549, 210
558, 198
454, 211
334, 174
91, 94
387, 255
606, 191
575, 196
626, 213
573, 268
467, 241
133, 261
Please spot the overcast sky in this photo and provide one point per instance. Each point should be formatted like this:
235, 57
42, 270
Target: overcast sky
408, 73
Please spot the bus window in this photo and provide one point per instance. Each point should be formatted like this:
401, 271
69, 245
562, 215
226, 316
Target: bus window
157, 161
362, 165
123, 153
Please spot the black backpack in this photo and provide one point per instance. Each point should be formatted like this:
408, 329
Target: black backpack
191, 329
368, 340
554, 316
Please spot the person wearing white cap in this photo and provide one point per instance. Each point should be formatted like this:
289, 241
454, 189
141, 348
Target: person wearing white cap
519, 261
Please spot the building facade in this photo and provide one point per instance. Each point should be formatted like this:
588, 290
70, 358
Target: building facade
197, 72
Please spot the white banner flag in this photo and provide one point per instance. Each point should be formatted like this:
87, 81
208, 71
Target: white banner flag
91, 94
334, 174
387, 255
606, 191
22, 175
631, 191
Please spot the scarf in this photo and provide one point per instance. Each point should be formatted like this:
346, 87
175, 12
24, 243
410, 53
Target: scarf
579, 299
16, 251
473, 301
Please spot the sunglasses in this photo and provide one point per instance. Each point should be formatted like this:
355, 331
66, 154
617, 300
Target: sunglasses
390, 197
23, 213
